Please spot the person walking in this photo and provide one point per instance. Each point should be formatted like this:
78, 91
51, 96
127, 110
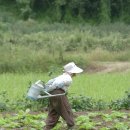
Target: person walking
59, 105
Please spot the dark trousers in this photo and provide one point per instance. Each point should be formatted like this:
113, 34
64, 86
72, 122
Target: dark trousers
59, 106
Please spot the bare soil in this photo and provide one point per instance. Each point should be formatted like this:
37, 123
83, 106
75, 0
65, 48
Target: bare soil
108, 67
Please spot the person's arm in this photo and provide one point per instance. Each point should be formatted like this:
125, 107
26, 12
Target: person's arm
50, 82
63, 84
57, 84
48, 85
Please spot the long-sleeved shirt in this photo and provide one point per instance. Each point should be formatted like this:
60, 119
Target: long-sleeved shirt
63, 81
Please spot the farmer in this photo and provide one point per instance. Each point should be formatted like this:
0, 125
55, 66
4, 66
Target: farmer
59, 105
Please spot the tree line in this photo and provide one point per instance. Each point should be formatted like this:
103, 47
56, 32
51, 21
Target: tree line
99, 11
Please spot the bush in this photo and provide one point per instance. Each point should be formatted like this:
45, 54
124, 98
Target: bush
121, 103
4, 101
79, 103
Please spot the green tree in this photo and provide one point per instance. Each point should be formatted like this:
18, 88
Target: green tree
105, 16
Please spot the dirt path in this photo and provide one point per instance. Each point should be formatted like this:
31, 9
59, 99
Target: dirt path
108, 67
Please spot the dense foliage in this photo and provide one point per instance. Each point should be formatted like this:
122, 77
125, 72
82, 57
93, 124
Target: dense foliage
69, 10
78, 103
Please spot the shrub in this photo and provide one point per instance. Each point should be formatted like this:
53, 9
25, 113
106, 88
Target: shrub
4, 101
81, 102
121, 103
78, 103
101, 105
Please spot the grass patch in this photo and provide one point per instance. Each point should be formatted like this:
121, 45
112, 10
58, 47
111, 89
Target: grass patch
107, 87
58, 43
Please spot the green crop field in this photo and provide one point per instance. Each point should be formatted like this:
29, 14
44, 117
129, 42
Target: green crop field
108, 86
102, 86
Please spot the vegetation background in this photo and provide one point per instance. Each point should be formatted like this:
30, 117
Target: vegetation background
37, 37
40, 36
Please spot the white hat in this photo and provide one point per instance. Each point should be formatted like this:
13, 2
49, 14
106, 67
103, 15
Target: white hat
72, 68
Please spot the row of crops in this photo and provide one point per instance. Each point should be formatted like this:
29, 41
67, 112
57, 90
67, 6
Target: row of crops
107, 120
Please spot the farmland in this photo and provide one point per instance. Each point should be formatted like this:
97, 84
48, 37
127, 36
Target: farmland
98, 120
37, 48
108, 86
100, 85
